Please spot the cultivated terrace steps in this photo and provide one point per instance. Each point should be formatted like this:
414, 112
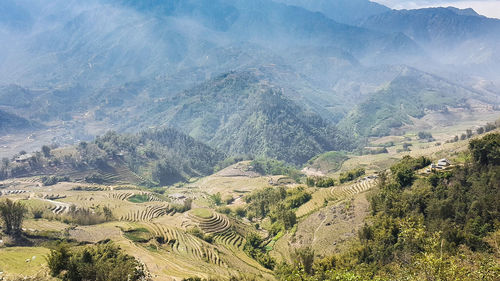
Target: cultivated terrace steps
217, 223
148, 213
186, 245
126, 195
349, 190
58, 209
220, 227
334, 194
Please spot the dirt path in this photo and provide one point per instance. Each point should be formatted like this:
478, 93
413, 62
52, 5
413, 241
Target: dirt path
317, 228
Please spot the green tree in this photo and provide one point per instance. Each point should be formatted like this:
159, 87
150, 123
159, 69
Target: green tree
46, 151
486, 150
216, 198
304, 258
12, 215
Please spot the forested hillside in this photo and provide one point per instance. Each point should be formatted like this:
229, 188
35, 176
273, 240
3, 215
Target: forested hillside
152, 157
242, 115
440, 226
410, 95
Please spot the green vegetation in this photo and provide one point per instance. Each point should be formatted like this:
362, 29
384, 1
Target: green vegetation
328, 162
138, 198
11, 122
278, 204
173, 155
444, 226
13, 261
404, 171
156, 157
237, 114
351, 175
12, 216
254, 248
202, 213
99, 262
196, 231
425, 136
51, 180
216, 198
274, 167
137, 235
409, 95
94, 178
320, 181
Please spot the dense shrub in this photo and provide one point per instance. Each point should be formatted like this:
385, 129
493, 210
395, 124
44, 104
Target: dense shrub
254, 248
351, 175
98, 262
444, 226
51, 180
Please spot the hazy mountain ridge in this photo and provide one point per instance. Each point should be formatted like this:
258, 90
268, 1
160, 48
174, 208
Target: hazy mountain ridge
107, 63
344, 11
240, 114
10, 122
452, 37
435, 25
411, 94
134, 44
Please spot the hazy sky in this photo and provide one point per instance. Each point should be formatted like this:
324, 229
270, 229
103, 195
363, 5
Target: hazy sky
489, 8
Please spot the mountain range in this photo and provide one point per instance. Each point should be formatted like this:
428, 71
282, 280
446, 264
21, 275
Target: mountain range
284, 79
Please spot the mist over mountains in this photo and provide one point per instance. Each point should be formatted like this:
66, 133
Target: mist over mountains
283, 79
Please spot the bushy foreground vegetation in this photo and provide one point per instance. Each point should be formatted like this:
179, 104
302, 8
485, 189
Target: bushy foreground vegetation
445, 226
98, 262
12, 216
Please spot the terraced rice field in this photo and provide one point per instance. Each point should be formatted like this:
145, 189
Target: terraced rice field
120, 195
349, 190
148, 213
185, 244
58, 209
230, 238
126, 195
220, 226
12, 192
217, 223
335, 193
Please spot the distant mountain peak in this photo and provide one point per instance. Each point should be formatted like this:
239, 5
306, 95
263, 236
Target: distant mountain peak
464, 12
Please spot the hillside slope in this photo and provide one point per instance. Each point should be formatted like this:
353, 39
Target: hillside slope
10, 122
410, 95
240, 114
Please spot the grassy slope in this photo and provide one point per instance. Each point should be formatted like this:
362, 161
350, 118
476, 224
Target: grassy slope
13, 260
